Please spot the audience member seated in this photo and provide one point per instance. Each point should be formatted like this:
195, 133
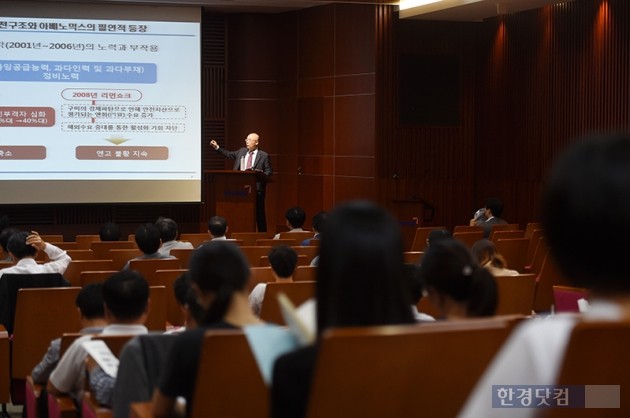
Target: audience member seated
438, 235
148, 241
217, 228
492, 212
319, 220
360, 282
588, 186
126, 306
295, 218
485, 252
90, 306
219, 272
283, 261
418, 291
456, 285
4, 240
187, 301
109, 232
168, 235
24, 247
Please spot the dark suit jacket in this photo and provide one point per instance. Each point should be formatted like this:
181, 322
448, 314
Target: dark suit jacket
261, 163
487, 225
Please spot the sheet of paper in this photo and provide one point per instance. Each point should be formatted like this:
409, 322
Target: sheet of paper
100, 352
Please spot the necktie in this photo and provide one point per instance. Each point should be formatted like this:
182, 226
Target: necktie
250, 158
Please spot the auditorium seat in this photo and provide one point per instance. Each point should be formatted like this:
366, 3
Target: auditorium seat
469, 238
249, 238
597, 354
297, 292
73, 272
514, 251
148, 266
549, 276
516, 294
101, 248
227, 371
270, 242
402, 371
166, 278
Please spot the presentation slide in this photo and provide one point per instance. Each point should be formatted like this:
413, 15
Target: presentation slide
99, 110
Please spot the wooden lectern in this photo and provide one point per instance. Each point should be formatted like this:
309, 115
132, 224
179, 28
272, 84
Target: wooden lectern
232, 195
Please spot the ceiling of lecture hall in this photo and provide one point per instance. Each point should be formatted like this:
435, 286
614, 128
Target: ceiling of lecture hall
456, 10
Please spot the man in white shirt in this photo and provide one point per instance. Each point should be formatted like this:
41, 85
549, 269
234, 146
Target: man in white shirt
126, 305
217, 228
24, 247
295, 218
168, 235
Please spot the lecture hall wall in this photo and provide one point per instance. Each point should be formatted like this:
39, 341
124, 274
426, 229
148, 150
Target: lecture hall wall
321, 87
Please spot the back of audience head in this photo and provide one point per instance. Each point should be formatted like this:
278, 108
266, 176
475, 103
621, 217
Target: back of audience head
283, 261
219, 270
4, 238
167, 228
109, 232
126, 297
485, 252
148, 238
295, 216
89, 301
360, 278
18, 247
586, 213
438, 235
187, 299
456, 284
495, 205
217, 226
319, 220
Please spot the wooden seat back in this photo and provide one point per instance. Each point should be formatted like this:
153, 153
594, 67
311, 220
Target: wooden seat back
195, 238
298, 236
250, 238
412, 257
87, 277
514, 251
534, 237
259, 275
156, 321
468, 238
397, 371
227, 370
52, 237
466, 228
549, 276
253, 253
310, 251
148, 266
120, 256
531, 227
65, 245
101, 248
80, 254
183, 255
540, 253
73, 272
516, 294
270, 242
166, 278
41, 315
305, 274
497, 235
297, 292
420, 238
609, 344
83, 241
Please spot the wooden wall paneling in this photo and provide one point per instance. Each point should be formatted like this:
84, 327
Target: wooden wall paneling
316, 42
